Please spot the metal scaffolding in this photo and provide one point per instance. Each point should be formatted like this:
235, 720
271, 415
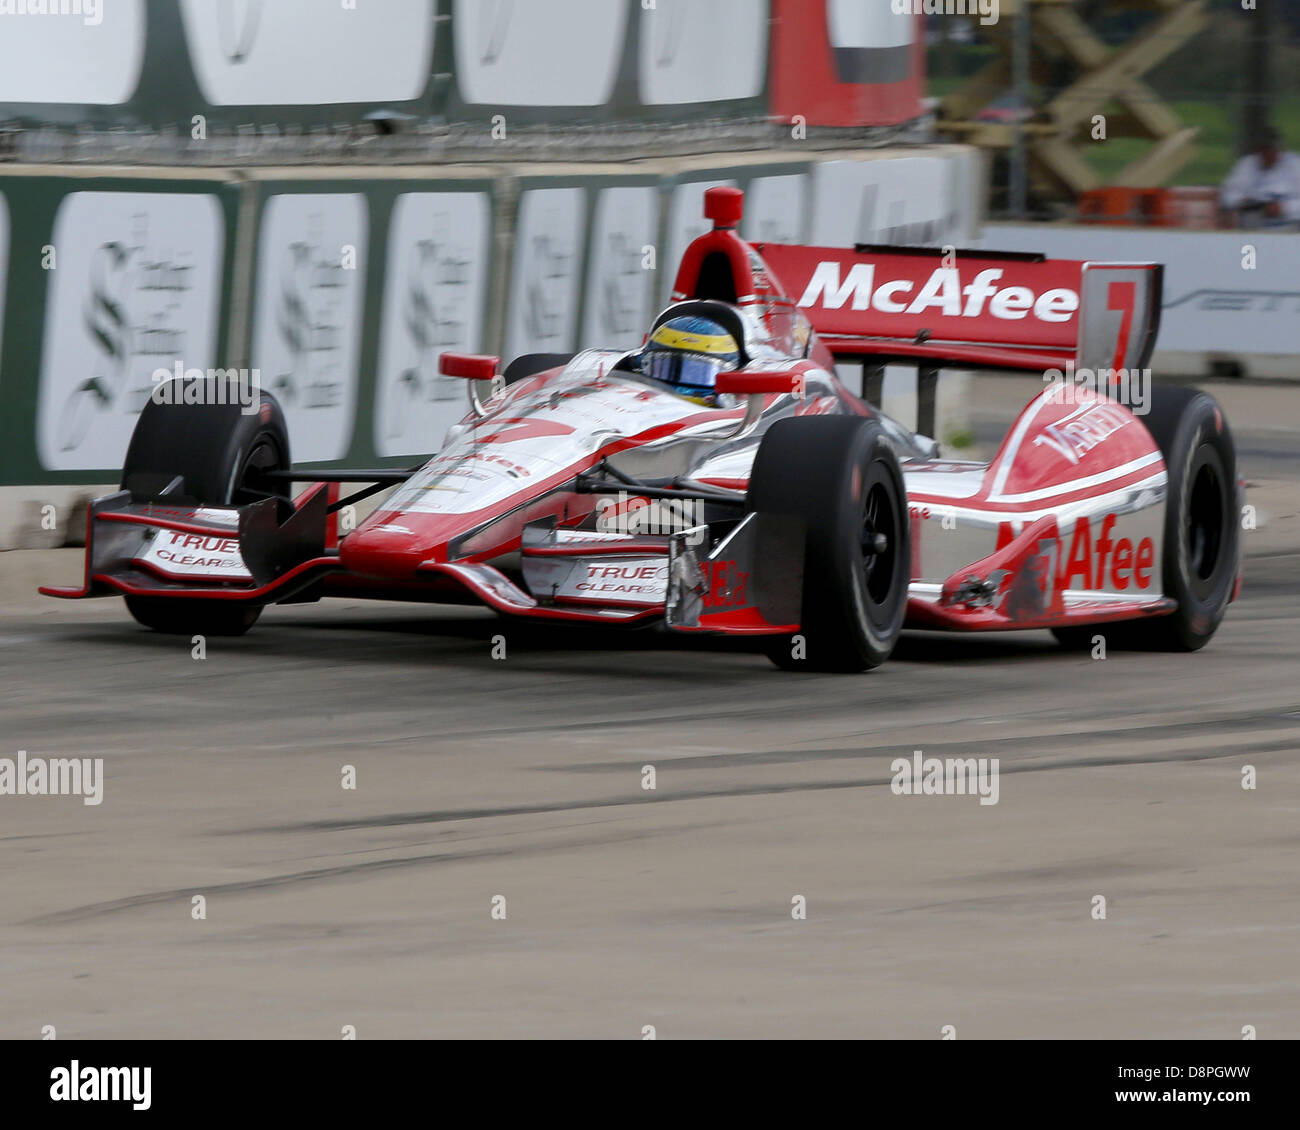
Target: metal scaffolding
1049, 43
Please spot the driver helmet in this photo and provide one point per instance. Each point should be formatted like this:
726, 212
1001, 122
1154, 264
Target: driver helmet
688, 353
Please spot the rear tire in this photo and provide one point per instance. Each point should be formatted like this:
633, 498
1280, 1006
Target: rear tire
1202, 544
222, 455
1201, 556
1079, 638
530, 364
840, 474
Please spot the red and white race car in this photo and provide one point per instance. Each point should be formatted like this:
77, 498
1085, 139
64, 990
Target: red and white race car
581, 490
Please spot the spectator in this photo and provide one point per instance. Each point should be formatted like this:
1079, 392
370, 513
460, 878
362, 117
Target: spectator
1263, 189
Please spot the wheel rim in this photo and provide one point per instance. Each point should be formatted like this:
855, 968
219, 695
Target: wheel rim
1203, 522
252, 484
880, 528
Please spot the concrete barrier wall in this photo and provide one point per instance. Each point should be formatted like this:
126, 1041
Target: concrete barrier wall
1230, 298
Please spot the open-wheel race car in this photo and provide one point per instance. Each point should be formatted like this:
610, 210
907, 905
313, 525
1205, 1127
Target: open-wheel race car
723, 479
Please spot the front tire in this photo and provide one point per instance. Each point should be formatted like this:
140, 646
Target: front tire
222, 454
220, 451
175, 616
840, 475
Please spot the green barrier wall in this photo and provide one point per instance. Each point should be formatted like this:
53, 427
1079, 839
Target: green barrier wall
341, 288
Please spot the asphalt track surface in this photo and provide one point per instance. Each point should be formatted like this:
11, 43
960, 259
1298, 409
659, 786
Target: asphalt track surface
522, 777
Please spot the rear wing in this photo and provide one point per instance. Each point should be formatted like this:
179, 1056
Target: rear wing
973, 309
932, 308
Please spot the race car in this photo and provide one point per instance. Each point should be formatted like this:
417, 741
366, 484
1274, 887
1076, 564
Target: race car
724, 479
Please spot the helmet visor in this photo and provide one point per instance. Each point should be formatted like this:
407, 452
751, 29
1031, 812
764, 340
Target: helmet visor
687, 370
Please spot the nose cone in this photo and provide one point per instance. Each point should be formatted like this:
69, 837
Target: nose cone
394, 543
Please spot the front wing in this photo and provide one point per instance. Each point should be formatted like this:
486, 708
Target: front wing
731, 578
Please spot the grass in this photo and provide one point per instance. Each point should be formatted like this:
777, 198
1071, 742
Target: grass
1217, 144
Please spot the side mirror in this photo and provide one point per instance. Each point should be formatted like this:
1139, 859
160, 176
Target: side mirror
470, 366
742, 383
756, 385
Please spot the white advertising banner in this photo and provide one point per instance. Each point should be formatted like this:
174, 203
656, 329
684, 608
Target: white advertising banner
623, 267
305, 52
906, 200
538, 52
435, 284
307, 317
685, 222
702, 50
134, 286
1225, 293
776, 209
90, 56
545, 284
968, 185
871, 42
855, 24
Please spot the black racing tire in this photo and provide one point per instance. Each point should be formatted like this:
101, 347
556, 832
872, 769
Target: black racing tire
219, 450
222, 454
530, 364
842, 476
1202, 544
180, 617
1201, 556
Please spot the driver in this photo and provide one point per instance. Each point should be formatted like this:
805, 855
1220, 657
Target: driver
688, 353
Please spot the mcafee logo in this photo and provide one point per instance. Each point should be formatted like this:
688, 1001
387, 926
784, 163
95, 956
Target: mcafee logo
1099, 562
943, 292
